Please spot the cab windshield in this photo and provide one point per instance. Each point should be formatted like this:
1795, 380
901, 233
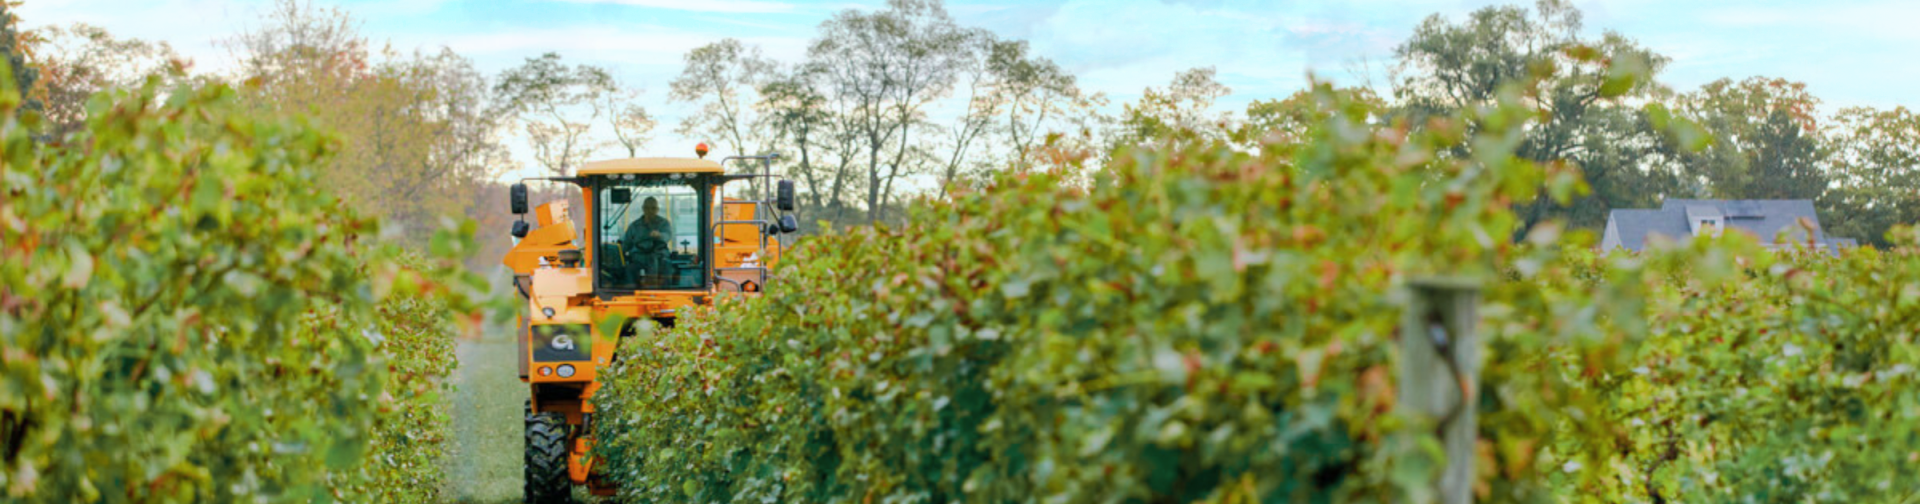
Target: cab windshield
651, 233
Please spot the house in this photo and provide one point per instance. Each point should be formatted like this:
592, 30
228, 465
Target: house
1679, 219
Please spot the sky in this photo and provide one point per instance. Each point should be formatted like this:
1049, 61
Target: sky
1849, 52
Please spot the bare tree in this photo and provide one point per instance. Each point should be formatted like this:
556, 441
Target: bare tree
1031, 91
886, 67
982, 87
724, 77
549, 99
632, 125
799, 116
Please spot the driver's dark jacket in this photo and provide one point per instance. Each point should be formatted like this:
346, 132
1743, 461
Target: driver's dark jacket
633, 240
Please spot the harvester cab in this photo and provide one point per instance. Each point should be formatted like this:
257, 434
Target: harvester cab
657, 236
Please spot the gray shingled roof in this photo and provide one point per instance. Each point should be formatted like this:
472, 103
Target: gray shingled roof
1636, 224
1763, 218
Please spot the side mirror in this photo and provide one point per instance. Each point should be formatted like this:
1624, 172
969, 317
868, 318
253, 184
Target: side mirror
517, 199
520, 229
788, 224
783, 196
621, 196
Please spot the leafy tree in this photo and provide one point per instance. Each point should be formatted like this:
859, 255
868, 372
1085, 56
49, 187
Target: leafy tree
81, 60
1286, 119
1629, 158
454, 97
14, 45
1766, 139
298, 48
1588, 118
1183, 108
1874, 165
417, 129
549, 98
1287, 123
1031, 92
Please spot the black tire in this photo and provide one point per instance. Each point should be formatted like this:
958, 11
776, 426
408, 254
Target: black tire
546, 460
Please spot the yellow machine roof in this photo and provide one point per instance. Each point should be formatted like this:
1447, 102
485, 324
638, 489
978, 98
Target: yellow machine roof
650, 165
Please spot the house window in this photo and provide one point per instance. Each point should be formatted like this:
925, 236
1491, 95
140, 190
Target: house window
1708, 227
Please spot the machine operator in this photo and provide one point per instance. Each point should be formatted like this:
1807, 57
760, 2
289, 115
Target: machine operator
646, 245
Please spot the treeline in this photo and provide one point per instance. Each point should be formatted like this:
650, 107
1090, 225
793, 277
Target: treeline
416, 128
419, 133
870, 106
1751, 138
904, 101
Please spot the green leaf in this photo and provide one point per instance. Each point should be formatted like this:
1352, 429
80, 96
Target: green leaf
79, 266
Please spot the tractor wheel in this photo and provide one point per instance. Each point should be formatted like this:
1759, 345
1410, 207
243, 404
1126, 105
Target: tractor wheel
546, 471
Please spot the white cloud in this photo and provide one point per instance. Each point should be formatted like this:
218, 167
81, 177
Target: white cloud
735, 6
399, 8
192, 27
624, 49
1841, 49
1260, 50
1885, 21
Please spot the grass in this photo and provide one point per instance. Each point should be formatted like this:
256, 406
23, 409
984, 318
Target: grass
488, 403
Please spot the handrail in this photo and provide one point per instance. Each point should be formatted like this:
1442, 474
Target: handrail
761, 207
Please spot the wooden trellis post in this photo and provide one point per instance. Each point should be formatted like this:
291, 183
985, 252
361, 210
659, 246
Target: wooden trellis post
1438, 328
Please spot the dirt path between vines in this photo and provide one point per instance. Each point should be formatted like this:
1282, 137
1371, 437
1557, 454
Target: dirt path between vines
487, 409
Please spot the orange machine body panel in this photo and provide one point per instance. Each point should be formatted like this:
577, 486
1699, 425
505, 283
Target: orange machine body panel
563, 295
